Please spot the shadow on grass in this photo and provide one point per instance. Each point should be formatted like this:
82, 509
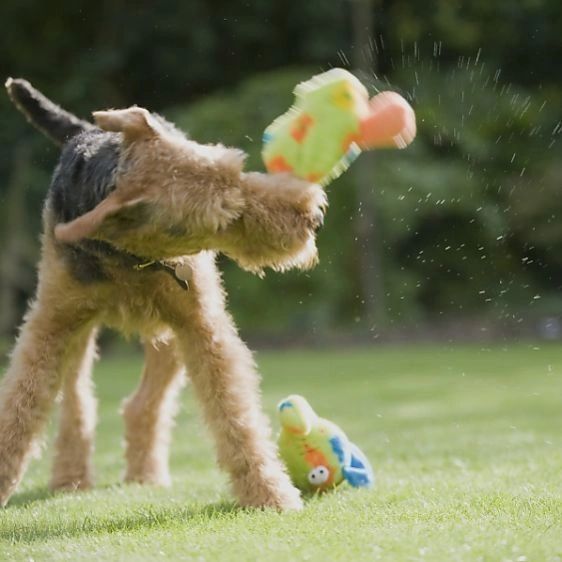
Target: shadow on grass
145, 517
23, 499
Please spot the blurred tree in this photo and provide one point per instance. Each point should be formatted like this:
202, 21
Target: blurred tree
371, 275
444, 203
19, 251
522, 38
469, 215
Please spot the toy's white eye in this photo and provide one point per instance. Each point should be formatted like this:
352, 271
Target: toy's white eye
318, 475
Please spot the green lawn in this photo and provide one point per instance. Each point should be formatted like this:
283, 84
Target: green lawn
466, 443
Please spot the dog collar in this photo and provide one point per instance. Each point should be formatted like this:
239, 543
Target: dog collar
180, 271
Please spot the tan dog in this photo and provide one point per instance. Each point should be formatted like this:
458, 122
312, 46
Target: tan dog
132, 221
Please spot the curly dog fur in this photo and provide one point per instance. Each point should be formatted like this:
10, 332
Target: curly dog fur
134, 217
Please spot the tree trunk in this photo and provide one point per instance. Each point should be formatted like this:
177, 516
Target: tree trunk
369, 243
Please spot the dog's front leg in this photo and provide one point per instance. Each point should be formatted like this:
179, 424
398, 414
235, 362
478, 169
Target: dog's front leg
224, 378
47, 343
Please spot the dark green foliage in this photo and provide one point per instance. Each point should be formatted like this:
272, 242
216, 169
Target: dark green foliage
449, 205
470, 215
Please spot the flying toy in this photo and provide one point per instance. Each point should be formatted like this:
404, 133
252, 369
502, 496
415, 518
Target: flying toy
330, 123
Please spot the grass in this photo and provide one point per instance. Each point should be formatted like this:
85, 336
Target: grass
466, 442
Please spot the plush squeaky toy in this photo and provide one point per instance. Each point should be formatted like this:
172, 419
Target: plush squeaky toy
317, 453
330, 123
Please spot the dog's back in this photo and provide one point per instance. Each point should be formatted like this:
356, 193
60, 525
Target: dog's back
85, 174
86, 171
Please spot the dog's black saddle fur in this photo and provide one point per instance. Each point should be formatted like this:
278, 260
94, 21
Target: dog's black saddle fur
85, 174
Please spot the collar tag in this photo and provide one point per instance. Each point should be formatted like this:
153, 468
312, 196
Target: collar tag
141, 266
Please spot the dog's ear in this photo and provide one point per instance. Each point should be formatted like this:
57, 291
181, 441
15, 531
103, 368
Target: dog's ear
134, 122
87, 224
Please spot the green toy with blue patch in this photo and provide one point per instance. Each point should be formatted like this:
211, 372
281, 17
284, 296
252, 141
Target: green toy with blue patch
318, 454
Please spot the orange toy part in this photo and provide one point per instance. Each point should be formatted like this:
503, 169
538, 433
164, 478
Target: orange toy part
279, 164
391, 123
301, 127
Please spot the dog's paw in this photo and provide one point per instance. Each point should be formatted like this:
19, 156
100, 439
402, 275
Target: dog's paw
274, 492
149, 477
290, 501
71, 483
283, 502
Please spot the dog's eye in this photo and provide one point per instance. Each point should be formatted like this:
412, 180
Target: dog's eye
318, 475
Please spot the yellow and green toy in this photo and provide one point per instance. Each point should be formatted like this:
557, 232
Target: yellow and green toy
317, 453
330, 123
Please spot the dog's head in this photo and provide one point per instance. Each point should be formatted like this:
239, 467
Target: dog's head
173, 197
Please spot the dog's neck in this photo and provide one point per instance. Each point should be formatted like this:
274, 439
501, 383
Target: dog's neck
100, 249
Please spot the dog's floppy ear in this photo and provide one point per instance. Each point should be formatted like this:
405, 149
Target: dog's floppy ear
87, 224
134, 122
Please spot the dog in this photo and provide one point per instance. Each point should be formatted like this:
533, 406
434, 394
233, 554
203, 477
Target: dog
133, 219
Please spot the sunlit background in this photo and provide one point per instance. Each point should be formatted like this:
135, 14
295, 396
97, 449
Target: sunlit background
459, 237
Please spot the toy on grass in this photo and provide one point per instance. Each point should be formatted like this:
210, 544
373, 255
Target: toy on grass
317, 453
330, 123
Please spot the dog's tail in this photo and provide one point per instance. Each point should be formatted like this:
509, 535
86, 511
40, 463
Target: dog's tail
42, 113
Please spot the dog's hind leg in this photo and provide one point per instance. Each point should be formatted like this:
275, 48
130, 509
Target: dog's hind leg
72, 466
148, 414
46, 345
